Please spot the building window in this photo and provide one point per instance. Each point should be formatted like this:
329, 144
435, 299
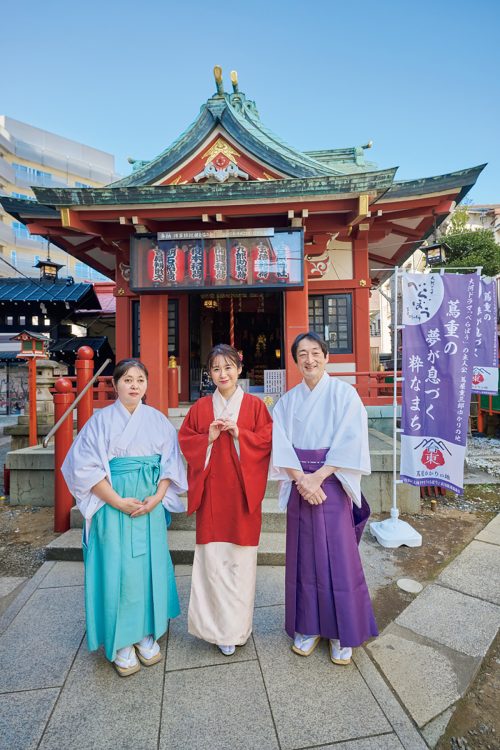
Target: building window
173, 328
375, 324
22, 320
83, 271
34, 320
23, 196
9, 320
82, 185
32, 175
330, 316
20, 230
46, 321
13, 257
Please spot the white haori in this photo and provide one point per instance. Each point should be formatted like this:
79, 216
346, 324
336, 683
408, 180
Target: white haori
114, 432
222, 593
226, 409
332, 416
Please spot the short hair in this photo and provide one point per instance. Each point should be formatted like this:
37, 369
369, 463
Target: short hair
312, 336
226, 351
124, 365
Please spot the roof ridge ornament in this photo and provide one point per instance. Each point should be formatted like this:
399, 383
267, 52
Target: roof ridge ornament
234, 81
218, 80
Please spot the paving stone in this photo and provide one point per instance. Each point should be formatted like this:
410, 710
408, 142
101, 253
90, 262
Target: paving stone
435, 729
270, 587
381, 742
491, 532
404, 728
457, 620
64, 574
379, 563
22, 597
472, 572
18, 733
184, 651
98, 709
222, 708
9, 583
38, 647
183, 570
427, 677
313, 701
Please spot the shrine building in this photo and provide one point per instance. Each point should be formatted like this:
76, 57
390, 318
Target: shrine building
231, 235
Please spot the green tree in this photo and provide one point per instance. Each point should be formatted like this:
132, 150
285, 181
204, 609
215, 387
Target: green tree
472, 248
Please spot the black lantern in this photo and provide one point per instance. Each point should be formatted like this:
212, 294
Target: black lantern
48, 269
435, 254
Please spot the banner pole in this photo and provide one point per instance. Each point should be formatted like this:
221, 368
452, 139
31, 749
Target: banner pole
392, 532
394, 509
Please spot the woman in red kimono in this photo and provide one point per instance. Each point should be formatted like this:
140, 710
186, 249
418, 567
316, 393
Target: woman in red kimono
226, 439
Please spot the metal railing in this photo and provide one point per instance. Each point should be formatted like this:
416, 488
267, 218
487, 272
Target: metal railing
74, 404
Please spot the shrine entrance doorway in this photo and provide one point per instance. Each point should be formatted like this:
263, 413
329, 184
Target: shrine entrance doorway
254, 320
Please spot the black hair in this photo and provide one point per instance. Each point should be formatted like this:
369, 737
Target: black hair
312, 336
124, 365
226, 351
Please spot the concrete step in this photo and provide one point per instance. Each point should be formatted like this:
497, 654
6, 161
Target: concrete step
272, 518
68, 546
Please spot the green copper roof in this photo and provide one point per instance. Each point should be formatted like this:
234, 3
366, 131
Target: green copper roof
368, 182
239, 117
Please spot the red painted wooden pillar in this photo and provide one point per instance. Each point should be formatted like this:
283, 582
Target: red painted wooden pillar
33, 427
84, 367
296, 321
63, 438
123, 344
361, 308
154, 347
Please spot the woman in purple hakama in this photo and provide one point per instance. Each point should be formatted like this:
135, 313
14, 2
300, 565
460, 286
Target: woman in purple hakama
326, 591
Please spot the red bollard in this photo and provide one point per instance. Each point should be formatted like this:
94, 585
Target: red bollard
84, 367
63, 500
173, 383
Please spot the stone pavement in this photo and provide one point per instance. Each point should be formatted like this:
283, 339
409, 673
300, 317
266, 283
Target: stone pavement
398, 693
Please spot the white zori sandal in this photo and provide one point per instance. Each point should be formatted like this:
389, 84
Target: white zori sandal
304, 645
148, 651
339, 655
126, 661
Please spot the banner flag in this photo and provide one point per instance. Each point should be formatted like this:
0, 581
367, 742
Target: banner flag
485, 371
439, 324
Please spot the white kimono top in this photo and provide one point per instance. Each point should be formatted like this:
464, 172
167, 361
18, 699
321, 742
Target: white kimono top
331, 416
113, 433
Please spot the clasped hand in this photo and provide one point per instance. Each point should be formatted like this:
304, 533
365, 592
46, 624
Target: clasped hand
309, 486
133, 507
222, 425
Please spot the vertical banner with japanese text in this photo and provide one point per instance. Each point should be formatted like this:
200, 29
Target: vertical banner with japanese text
439, 324
485, 372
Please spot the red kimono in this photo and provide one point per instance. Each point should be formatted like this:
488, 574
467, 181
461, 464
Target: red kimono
227, 494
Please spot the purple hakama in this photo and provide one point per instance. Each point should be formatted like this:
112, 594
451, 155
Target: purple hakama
326, 591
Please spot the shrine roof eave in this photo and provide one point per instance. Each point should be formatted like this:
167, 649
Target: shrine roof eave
377, 183
462, 180
22, 210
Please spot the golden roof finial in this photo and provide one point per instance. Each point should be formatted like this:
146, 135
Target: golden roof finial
218, 79
234, 81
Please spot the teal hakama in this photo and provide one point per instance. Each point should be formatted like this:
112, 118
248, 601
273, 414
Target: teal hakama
130, 589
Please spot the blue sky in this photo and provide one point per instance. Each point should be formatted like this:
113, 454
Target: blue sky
419, 79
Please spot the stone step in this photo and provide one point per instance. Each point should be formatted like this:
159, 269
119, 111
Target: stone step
272, 518
68, 546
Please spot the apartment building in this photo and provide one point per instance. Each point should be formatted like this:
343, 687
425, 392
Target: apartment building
31, 157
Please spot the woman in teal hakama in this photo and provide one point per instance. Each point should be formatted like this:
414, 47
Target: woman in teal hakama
126, 474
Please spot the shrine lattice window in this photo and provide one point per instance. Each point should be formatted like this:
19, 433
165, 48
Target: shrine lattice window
330, 316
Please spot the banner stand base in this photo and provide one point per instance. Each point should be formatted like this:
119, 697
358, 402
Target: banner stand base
394, 533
